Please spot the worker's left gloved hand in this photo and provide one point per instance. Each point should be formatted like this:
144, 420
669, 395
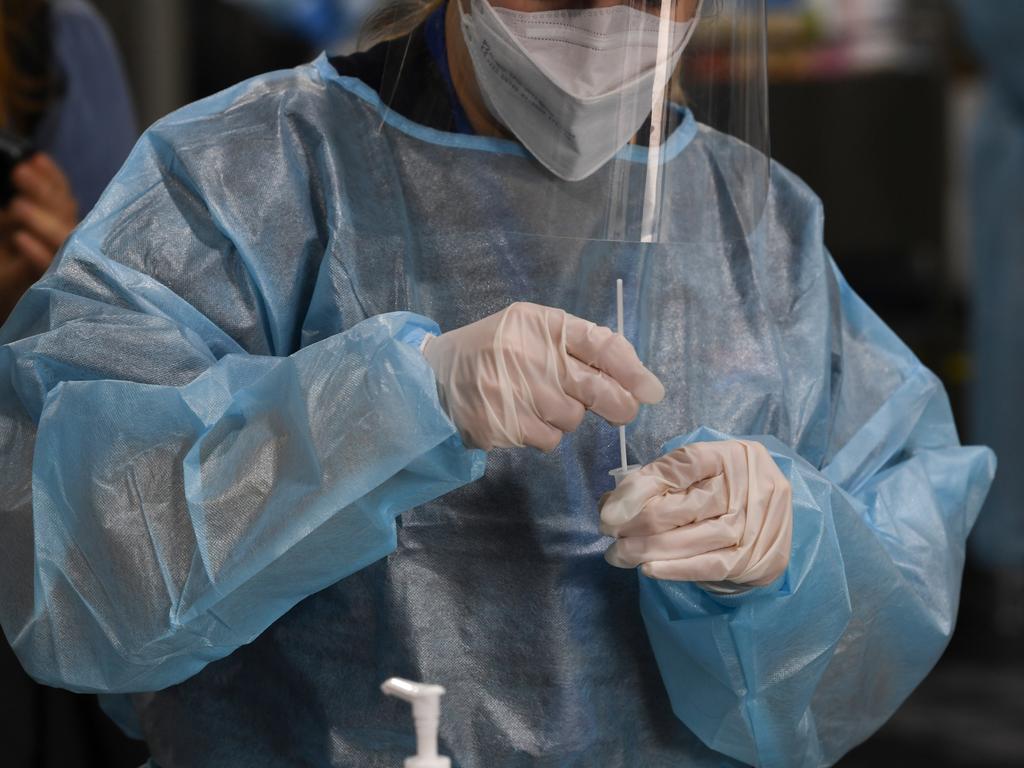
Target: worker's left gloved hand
719, 513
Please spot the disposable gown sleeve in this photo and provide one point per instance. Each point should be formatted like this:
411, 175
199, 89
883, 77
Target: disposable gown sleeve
166, 493
799, 672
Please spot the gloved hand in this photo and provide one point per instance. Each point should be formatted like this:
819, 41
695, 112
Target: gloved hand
526, 375
719, 513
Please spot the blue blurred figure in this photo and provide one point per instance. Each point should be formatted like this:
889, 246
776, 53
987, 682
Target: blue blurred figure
996, 28
93, 128
324, 23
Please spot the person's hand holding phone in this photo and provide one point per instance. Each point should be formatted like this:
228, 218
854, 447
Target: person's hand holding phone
33, 226
42, 213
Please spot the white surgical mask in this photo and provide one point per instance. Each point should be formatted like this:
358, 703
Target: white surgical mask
573, 86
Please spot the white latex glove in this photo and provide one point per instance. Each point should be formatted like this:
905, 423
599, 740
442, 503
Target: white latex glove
527, 375
720, 513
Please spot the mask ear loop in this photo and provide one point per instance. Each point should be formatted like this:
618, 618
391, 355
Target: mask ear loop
659, 97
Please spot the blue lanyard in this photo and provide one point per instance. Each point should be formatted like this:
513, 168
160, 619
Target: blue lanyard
433, 28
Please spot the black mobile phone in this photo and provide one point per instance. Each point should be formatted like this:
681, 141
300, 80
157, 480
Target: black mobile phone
13, 149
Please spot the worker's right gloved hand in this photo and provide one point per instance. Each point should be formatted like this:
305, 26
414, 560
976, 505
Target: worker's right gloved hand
526, 375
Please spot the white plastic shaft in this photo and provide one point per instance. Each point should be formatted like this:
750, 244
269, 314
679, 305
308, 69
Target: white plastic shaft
621, 473
426, 713
622, 429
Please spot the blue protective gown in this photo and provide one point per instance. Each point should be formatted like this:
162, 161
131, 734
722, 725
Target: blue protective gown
229, 486
996, 27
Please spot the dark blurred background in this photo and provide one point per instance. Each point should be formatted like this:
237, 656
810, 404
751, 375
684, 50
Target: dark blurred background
874, 103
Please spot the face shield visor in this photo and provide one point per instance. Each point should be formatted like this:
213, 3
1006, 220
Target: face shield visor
636, 121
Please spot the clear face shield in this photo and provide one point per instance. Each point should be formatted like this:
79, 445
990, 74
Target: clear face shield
648, 118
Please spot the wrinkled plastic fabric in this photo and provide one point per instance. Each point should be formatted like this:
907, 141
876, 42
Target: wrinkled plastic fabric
996, 28
210, 410
190, 482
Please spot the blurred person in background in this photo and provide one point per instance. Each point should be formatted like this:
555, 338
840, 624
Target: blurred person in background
996, 29
63, 97
63, 93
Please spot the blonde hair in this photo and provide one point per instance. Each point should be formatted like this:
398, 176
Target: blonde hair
396, 19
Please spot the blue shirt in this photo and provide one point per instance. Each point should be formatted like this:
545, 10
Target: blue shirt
90, 132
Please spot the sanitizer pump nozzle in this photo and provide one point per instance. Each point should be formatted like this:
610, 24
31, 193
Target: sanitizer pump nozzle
426, 713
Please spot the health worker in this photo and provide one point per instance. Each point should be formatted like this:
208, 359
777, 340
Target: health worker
325, 390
